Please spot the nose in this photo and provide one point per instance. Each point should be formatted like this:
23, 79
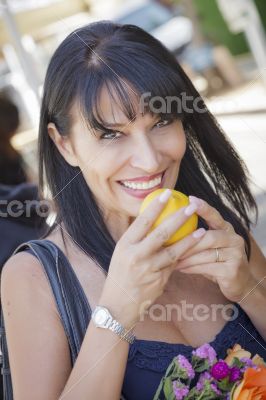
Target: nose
145, 155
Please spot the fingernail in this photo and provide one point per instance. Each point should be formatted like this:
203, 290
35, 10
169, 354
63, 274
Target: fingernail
190, 209
199, 233
195, 200
165, 196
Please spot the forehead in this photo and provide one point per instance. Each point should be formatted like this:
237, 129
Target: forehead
110, 106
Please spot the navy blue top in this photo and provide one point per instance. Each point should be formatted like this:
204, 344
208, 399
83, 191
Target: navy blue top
147, 359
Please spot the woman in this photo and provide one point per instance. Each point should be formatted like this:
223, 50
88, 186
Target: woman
12, 169
100, 128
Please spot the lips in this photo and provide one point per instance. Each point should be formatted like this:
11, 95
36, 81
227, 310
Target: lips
142, 193
144, 178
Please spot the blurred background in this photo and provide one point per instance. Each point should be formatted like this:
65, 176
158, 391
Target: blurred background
220, 43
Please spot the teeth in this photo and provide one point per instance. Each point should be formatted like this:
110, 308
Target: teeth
143, 185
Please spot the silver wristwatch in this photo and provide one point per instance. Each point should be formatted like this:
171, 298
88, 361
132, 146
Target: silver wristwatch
102, 318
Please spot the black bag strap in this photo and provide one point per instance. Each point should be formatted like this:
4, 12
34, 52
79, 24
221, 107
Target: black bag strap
72, 303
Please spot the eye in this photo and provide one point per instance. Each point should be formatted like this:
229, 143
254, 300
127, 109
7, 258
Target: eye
107, 135
162, 123
113, 134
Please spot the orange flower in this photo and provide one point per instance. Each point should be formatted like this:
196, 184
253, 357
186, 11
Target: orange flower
257, 360
253, 385
237, 352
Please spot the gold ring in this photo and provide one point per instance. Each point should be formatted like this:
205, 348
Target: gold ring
217, 255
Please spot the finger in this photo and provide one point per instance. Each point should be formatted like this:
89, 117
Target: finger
156, 239
209, 269
211, 215
144, 221
169, 255
212, 239
204, 257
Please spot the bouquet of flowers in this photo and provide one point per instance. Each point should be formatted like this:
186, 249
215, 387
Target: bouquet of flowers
237, 377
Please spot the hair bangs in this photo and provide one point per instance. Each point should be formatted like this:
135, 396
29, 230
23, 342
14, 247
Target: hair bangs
132, 90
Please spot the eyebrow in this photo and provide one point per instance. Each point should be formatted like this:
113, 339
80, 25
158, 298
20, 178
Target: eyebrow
116, 124
111, 125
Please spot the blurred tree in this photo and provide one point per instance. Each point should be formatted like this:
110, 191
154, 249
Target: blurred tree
208, 20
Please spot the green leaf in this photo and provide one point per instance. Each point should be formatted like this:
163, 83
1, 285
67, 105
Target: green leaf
208, 393
192, 395
232, 390
172, 397
170, 368
203, 366
237, 363
168, 388
225, 385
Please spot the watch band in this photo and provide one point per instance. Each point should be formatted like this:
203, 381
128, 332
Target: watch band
116, 327
107, 321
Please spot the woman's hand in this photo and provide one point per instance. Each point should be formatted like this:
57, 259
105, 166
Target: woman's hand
231, 272
141, 266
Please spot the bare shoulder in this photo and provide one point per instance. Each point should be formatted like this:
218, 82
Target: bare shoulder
22, 262
22, 265
40, 352
23, 273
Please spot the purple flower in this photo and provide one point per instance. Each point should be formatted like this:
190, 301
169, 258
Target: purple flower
215, 388
180, 390
248, 364
205, 376
205, 351
220, 370
199, 386
235, 374
247, 361
185, 365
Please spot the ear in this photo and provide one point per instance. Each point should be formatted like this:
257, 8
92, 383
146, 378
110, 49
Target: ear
63, 144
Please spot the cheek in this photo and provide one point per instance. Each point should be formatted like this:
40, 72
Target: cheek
176, 144
99, 165
91, 161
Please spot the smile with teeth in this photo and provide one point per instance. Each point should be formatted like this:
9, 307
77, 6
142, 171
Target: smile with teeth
142, 185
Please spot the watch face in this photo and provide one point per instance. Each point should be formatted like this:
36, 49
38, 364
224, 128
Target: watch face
100, 317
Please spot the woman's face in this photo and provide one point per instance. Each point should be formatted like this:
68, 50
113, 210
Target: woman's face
139, 148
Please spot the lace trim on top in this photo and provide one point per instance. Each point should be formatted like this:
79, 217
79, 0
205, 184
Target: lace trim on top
156, 355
